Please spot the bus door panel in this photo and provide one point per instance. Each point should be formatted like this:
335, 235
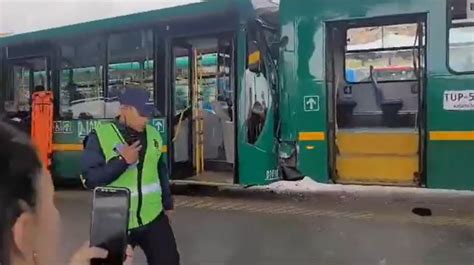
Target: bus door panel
181, 111
257, 155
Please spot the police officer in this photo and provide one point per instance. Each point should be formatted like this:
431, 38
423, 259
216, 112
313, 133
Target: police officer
128, 153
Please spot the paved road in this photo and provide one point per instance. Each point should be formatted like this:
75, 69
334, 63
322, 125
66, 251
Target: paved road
237, 231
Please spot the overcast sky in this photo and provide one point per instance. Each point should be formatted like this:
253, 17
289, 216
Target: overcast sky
19, 16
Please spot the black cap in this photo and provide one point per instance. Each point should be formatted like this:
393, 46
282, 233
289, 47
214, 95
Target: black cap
138, 98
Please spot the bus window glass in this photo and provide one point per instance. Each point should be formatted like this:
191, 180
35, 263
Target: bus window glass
389, 49
19, 93
81, 80
27, 76
224, 91
461, 35
207, 69
257, 92
130, 64
182, 79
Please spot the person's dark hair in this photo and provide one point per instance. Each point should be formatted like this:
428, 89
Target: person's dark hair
39, 88
20, 169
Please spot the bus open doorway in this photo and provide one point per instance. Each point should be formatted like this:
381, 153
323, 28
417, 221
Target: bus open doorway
203, 127
376, 81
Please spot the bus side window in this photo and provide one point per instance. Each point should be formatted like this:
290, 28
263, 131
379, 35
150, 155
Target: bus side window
461, 32
25, 76
81, 79
19, 88
130, 64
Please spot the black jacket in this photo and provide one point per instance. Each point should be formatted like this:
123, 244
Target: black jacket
97, 172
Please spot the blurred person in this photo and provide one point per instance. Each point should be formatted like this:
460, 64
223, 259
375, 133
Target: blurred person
29, 220
127, 153
39, 88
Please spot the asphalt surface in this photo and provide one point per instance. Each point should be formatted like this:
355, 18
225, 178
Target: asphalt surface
327, 230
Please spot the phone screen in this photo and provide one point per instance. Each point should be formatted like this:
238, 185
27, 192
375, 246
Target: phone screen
109, 224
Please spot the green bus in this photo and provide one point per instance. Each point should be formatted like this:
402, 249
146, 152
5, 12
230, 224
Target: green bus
407, 118
88, 65
366, 92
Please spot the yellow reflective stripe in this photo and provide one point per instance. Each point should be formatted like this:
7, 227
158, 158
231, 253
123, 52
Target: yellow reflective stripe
452, 136
311, 136
67, 147
79, 147
147, 189
164, 149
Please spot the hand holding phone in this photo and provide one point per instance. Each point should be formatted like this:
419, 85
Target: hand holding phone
109, 224
86, 253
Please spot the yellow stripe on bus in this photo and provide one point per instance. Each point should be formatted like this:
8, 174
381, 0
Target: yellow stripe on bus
311, 136
254, 57
79, 147
452, 136
67, 147
164, 149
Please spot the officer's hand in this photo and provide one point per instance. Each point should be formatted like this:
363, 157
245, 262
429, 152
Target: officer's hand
84, 255
130, 152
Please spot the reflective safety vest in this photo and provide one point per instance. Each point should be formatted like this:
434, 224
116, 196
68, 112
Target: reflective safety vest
144, 186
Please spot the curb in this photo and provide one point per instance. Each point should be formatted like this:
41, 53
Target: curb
355, 192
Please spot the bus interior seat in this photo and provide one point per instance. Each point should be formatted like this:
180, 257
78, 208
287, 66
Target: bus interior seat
390, 107
345, 109
85, 116
83, 109
218, 107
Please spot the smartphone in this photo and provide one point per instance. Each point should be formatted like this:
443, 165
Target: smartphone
109, 224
